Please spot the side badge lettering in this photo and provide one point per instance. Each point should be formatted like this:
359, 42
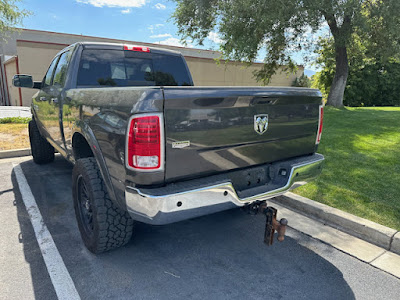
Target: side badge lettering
181, 144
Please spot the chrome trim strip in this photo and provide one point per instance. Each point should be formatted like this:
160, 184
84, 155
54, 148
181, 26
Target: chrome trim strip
160, 209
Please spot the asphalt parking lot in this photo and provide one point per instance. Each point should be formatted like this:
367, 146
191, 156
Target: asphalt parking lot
221, 256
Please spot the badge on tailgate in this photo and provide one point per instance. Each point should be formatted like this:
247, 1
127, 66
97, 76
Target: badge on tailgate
261, 123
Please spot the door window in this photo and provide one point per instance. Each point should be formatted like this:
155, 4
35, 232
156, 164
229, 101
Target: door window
49, 75
61, 69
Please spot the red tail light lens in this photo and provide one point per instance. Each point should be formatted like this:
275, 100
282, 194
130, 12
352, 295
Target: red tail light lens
144, 143
320, 124
136, 48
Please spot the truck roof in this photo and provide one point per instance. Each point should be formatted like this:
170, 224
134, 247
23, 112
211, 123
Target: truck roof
120, 46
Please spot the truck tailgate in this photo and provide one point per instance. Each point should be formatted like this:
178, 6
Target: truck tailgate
210, 130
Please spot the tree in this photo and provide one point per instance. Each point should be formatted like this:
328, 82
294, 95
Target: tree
282, 27
10, 15
373, 76
326, 61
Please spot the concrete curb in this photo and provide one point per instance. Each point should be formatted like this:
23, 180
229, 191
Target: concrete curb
369, 253
15, 153
396, 244
366, 230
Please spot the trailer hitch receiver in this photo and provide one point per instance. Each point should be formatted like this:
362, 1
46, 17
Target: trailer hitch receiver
272, 224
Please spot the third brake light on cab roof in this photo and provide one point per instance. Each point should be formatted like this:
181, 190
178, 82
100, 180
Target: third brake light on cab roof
136, 48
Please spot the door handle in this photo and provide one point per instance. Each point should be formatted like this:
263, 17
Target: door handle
42, 98
54, 100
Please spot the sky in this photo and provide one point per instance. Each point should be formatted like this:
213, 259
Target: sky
134, 20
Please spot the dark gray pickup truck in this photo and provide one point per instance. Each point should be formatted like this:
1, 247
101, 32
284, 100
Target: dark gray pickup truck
149, 146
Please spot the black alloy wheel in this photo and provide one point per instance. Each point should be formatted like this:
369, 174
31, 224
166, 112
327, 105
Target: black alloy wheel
85, 206
103, 225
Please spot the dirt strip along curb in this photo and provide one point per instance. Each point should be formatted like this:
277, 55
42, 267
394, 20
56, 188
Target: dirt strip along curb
369, 231
15, 153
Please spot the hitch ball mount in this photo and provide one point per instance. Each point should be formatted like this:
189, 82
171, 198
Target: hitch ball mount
271, 224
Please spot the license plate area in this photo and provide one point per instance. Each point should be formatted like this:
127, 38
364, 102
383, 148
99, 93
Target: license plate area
250, 178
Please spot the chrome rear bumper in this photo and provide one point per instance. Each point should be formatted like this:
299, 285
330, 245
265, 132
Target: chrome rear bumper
174, 207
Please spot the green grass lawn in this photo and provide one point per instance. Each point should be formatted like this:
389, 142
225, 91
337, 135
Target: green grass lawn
362, 168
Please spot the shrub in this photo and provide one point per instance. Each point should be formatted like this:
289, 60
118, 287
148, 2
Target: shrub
15, 120
302, 81
374, 85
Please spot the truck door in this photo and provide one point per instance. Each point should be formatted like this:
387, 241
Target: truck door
41, 103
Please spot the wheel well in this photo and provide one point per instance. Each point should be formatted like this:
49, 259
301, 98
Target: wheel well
81, 147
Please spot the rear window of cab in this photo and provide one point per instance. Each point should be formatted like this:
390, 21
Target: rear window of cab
129, 68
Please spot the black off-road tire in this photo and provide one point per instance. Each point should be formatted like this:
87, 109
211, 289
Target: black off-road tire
110, 226
42, 151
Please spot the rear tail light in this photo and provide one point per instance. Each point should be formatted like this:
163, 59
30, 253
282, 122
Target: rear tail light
136, 48
320, 123
144, 147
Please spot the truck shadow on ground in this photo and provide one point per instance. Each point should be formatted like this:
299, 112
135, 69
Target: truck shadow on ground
220, 256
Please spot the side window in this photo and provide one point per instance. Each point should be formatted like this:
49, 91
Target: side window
61, 69
49, 74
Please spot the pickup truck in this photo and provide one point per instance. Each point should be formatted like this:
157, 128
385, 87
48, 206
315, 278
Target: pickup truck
148, 146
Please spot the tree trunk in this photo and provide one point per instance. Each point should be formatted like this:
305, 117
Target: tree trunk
336, 93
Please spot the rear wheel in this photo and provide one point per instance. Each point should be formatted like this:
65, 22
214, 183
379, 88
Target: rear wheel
103, 225
42, 151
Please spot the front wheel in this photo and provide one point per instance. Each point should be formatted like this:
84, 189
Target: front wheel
42, 151
103, 225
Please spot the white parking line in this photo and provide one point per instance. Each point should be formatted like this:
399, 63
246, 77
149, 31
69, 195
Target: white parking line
61, 279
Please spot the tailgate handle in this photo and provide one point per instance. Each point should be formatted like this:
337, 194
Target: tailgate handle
264, 100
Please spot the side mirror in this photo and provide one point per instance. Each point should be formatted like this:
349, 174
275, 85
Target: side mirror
23, 81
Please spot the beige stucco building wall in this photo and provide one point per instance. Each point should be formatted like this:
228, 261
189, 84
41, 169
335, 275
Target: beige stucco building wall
34, 57
206, 72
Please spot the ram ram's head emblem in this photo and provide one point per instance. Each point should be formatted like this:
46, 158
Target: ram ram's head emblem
260, 123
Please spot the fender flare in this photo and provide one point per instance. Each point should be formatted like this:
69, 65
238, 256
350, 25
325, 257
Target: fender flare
83, 129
